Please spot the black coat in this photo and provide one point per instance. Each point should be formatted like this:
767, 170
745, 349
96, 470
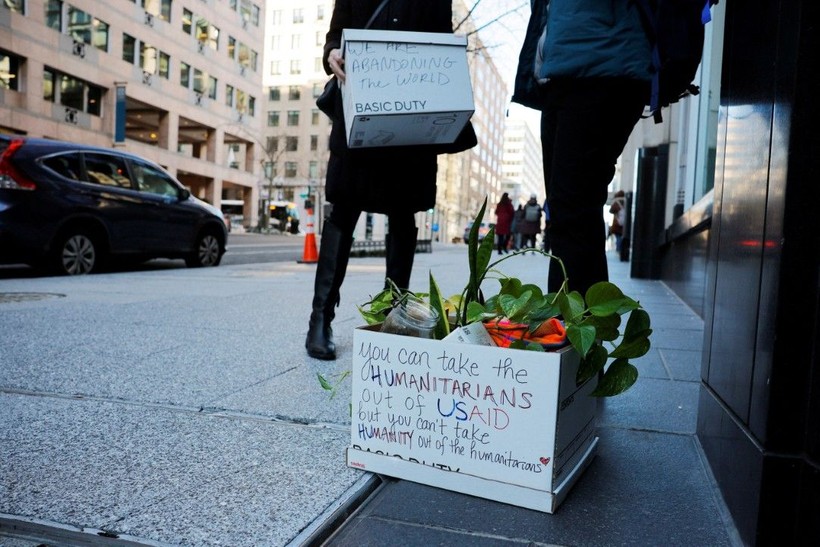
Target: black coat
387, 179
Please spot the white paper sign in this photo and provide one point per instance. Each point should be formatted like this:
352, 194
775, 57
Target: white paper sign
404, 88
470, 409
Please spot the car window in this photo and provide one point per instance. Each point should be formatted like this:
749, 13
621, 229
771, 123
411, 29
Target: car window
66, 165
152, 180
107, 169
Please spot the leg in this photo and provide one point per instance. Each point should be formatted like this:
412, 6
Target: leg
334, 252
584, 127
401, 248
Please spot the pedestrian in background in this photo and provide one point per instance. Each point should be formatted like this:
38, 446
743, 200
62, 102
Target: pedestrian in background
585, 65
530, 223
516, 233
396, 181
545, 243
618, 219
504, 213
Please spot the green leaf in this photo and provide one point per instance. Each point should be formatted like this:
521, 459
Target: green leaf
532, 346
636, 347
591, 364
606, 327
637, 324
572, 306
485, 253
619, 376
510, 285
371, 318
581, 337
512, 306
324, 383
518, 344
437, 303
476, 312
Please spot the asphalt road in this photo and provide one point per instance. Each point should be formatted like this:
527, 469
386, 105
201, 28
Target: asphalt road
242, 249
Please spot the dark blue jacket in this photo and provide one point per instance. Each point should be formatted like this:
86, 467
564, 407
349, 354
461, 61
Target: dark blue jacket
584, 39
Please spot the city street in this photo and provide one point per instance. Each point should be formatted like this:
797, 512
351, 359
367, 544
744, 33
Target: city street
243, 248
177, 406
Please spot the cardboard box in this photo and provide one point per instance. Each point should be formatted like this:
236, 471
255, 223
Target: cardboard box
404, 88
498, 423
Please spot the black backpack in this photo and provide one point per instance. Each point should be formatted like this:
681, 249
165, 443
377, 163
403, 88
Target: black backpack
675, 30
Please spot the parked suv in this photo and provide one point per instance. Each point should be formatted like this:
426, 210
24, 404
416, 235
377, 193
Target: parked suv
71, 208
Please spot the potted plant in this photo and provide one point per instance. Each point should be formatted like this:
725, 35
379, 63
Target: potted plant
514, 423
594, 322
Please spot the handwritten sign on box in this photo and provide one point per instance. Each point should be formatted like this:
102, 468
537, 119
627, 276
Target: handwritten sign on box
509, 425
404, 88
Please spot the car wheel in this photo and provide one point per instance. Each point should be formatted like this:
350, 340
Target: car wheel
206, 253
76, 253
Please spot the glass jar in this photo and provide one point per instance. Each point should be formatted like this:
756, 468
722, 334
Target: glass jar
411, 318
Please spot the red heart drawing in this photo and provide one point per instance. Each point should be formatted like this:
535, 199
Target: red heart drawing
544, 460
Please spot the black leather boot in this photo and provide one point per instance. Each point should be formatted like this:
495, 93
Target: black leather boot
334, 252
400, 250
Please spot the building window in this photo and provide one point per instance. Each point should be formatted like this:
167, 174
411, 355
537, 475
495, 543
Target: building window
317, 89
276, 17
314, 116
249, 12
231, 47
274, 94
129, 48
295, 67
298, 16
295, 41
272, 144
228, 95
86, 29
252, 106
9, 71
291, 144
199, 81
273, 118
317, 65
314, 143
16, 5
313, 170
290, 169
320, 38
274, 68
206, 33
72, 92
320, 12
148, 58
158, 8
294, 93
247, 57
212, 85
184, 74
187, 21
48, 85
164, 65
293, 118
274, 42
54, 14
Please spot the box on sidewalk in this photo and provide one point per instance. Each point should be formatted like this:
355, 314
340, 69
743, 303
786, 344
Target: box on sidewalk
504, 424
404, 88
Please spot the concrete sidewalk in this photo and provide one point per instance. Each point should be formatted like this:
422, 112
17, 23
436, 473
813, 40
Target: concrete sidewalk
178, 407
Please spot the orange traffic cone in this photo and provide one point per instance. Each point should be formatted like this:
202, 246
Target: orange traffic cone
309, 255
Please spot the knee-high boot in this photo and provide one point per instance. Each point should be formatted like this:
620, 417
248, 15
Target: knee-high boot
400, 252
334, 253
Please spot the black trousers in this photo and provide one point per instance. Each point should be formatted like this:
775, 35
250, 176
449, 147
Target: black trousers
584, 127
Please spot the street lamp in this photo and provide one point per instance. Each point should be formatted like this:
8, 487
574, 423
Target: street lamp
268, 167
